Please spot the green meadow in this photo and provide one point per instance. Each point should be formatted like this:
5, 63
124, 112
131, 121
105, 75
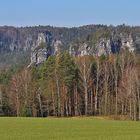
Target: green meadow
68, 129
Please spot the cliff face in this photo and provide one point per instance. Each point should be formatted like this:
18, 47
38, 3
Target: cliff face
44, 47
104, 46
13, 39
41, 42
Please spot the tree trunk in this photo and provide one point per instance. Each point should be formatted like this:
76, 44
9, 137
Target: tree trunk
91, 97
17, 103
97, 87
53, 102
116, 93
138, 104
40, 104
135, 113
86, 101
58, 94
106, 88
130, 108
76, 100
86, 90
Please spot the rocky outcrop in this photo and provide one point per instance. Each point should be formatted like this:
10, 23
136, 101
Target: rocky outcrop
104, 46
42, 48
57, 46
128, 43
13, 39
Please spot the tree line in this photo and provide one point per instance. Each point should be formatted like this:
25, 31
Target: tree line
66, 86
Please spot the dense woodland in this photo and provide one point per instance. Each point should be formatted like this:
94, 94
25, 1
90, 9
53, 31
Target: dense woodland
74, 86
66, 85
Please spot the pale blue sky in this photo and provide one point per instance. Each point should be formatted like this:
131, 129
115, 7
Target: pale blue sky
69, 12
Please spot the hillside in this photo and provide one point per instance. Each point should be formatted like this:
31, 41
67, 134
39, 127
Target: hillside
90, 39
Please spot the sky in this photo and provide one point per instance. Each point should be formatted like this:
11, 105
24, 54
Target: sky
69, 13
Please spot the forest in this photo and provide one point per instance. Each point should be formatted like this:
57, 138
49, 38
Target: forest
65, 86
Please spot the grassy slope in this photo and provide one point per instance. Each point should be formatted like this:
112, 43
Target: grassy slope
67, 129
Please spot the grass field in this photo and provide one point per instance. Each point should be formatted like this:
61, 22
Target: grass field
68, 129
